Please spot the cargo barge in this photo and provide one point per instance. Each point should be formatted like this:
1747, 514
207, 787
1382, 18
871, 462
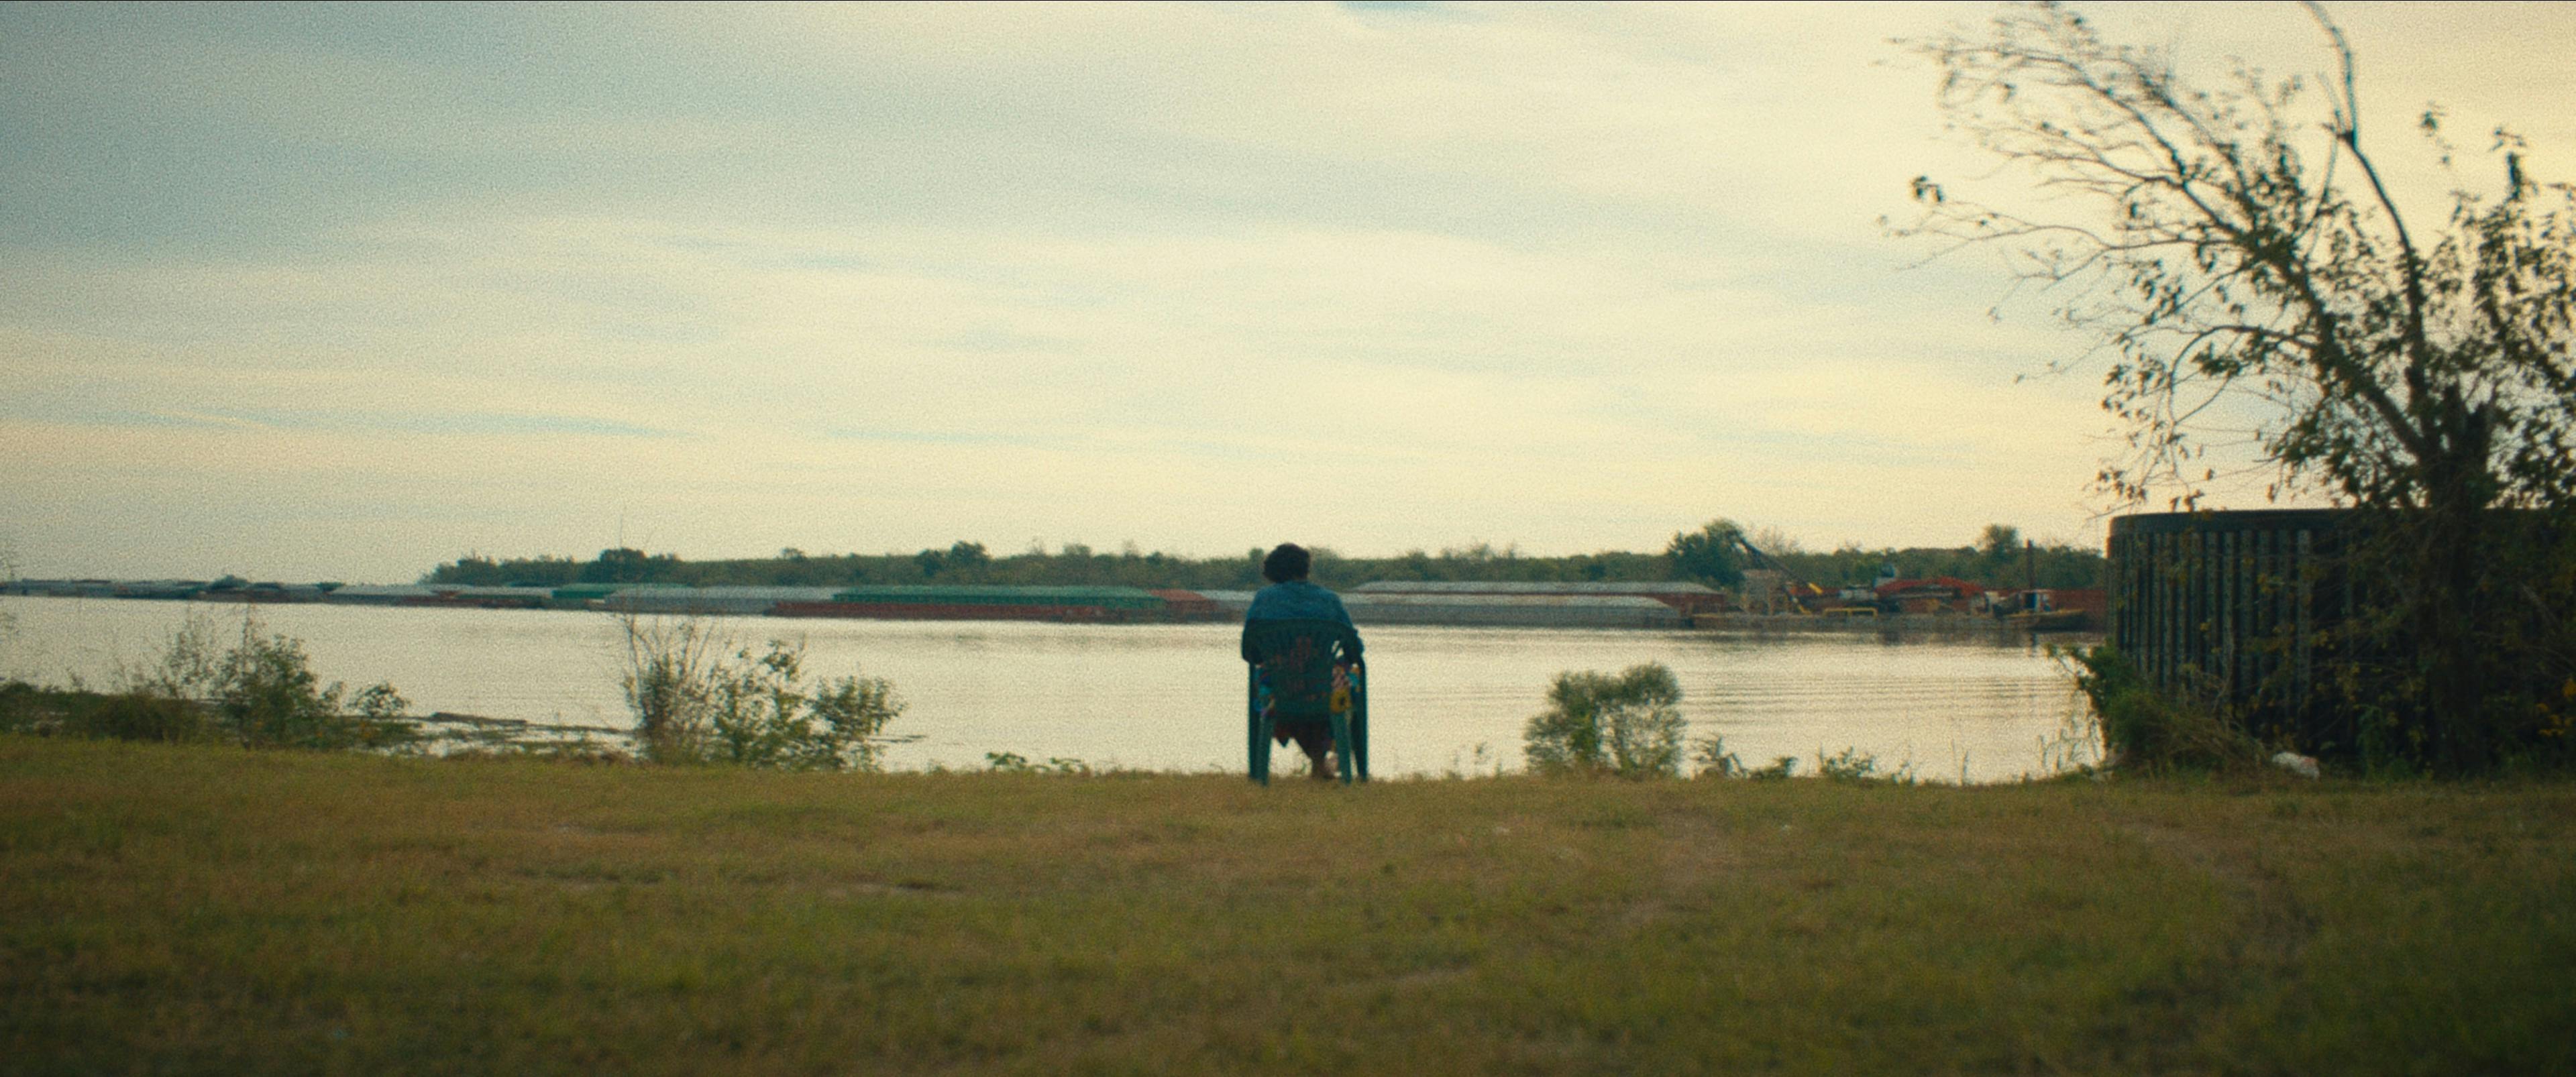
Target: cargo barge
1664, 606
1086, 605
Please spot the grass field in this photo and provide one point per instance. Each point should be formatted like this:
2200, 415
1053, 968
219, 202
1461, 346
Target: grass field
198, 909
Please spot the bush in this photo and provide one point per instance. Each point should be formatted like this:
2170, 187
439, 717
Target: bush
143, 716
1782, 768
1629, 725
694, 704
1854, 765
266, 692
2145, 731
262, 692
1714, 760
1015, 763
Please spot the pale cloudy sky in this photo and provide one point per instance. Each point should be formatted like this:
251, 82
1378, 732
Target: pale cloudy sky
320, 292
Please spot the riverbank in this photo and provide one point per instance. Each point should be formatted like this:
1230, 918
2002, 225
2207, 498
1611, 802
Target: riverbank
1153, 697
213, 910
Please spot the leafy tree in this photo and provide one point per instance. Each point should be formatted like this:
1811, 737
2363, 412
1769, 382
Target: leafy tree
2240, 256
1999, 541
1713, 555
1998, 547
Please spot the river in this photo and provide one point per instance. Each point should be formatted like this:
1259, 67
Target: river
1167, 697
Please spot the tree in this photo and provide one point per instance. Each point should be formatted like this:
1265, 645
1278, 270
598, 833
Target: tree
628, 565
1998, 546
2242, 260
1713, 555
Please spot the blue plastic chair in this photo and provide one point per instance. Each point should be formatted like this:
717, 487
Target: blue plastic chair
1308, 671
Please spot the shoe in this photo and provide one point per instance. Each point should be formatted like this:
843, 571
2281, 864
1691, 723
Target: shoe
1324, 770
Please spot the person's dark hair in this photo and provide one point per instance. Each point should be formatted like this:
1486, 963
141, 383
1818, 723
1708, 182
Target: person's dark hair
1289, 562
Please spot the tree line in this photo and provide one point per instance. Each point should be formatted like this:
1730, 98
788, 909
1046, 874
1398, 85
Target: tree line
1998, 558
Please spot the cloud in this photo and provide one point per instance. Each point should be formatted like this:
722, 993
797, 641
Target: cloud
399, 283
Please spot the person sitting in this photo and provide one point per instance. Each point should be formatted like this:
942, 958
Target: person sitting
1291, 597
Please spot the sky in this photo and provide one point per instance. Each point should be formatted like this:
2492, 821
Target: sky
320, 292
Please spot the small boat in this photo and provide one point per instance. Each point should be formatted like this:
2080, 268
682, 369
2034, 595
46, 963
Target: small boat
2050, 620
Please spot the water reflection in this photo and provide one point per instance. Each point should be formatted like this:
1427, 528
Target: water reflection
1169, 696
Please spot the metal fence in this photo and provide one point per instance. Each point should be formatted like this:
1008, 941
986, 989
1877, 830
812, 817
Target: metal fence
2249, 607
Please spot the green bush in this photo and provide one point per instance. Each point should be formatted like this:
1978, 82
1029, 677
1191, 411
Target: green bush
143, 716
265, 691
1855, 765
2146, 731
1782, 768
1629, 725
1714, 760
695, 704
261, 692
1015, 763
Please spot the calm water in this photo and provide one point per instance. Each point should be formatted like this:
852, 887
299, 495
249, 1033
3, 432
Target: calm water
1163, 696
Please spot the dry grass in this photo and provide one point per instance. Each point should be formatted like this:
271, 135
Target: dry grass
199, 909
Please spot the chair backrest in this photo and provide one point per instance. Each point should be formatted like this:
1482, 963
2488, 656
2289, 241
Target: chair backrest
1297, 662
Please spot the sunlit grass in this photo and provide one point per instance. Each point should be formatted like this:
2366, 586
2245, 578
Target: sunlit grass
212, 910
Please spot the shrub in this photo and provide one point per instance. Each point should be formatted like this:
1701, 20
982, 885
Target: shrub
1781, 769
1629, 725
262, 692
669, 684
1015, 763
267, 693
694, 704
144, 716
2146, 731
1854, 765
1713, 758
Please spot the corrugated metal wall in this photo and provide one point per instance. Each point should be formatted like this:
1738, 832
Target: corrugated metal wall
2246, 605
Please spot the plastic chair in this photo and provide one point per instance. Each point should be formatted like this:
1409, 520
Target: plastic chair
1307, 672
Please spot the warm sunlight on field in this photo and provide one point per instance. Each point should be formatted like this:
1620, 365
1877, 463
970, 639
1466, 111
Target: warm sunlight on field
216, 910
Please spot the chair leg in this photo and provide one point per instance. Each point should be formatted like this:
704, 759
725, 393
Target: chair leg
1257, 748
1359, 724
1342, 744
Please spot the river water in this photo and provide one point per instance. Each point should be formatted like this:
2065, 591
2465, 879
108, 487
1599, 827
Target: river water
1166, 697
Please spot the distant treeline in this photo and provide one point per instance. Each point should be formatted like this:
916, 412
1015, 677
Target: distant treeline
968, 562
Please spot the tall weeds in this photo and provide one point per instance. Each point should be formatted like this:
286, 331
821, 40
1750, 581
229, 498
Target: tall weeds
698, 698
260, 691
2143, 730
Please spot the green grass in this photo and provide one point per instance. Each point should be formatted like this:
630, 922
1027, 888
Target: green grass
206, 909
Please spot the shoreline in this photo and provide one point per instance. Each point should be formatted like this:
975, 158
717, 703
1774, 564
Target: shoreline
1892, 627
